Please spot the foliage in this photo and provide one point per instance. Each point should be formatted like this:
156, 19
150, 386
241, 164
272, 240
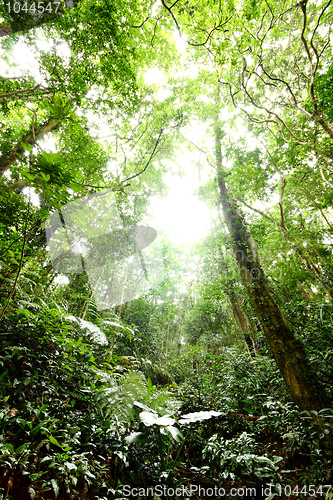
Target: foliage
178, 386
60, 406
236, 457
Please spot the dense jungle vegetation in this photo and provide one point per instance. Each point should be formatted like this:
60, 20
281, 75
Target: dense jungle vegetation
212, 376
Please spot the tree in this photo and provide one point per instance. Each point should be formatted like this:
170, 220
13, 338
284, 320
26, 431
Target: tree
287, 350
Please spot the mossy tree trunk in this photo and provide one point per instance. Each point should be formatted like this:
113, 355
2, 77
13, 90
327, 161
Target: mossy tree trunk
288, 352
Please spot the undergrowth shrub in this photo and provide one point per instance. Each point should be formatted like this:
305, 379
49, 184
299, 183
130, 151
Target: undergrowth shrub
226, 381
66, 404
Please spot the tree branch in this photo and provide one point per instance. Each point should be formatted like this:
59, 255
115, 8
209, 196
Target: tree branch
150, 159
14, 155
140, 25
201, 150
17, 92
283, 185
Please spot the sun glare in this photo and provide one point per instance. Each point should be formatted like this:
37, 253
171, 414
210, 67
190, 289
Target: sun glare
154, 76
181, 42
180, 215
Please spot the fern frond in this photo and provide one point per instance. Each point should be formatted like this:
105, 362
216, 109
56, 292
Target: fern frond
117, 397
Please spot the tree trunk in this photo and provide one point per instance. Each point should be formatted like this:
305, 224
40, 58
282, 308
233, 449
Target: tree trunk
305, 293
5, 30
287, 350
241, 320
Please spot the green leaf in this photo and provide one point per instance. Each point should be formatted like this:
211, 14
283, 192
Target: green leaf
135, 437
142, 406
21, 448
26, 147
55, 487
70, 466
149, 419
190, 418
175, 433
46, 177
53, 440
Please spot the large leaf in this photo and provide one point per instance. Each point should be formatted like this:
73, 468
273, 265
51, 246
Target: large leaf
143, 406
198, 416
175, 433
135, 437
95, 331
55, 487
149, 419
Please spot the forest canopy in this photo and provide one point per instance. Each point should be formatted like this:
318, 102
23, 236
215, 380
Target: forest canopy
133, 364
